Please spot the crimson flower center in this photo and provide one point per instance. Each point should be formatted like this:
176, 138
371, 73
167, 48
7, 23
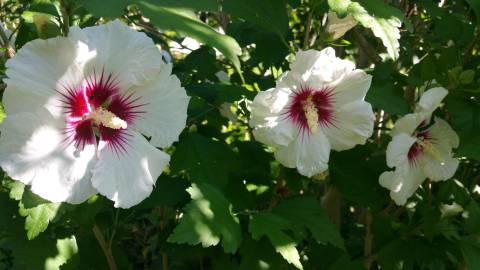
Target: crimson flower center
98, 110
311, 109
425, 144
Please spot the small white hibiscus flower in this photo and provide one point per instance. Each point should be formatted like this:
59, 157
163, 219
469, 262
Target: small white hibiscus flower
78, 108
421, 148
315, 107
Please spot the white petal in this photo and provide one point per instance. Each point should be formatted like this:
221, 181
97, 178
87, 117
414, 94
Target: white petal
443, 133
39, 69
127, 178
32, 150
407, 124
397, 150
129, 55
431, 99
352, 87
440, 170
311, 154
268, 119
165, 108
402, 183
316, 69
353, 125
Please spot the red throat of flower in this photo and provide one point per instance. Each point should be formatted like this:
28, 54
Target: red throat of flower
311, 109
422, 145
98, 109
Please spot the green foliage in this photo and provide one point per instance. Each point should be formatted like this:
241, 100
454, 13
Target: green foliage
272, 226
224, 202
207, 220
382, 19
307, 212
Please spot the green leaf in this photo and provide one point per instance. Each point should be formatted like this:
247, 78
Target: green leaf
208, 219
2, 113
38, 218
471, 252
307, 212
260, 255
382, 19
465, 120
168, 191
175, 19
105, 8
41, 253
475, 4
205, 160
473, 220
272, 226
45, 24
269, 14
207, 5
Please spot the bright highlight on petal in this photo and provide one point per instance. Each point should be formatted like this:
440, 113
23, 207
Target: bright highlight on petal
316, 106
84, 109
421, 148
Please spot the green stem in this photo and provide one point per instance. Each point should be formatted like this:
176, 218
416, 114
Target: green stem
65, 17
105, 248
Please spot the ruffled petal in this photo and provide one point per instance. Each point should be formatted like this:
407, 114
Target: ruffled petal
431, 100
40, 69
407, 124
440, 169
127, 178
33, 151
165, 108
352, 87
443, 133
271, 125
130, 56
397, 150
353, 124
311, 154
315, 69
402, 183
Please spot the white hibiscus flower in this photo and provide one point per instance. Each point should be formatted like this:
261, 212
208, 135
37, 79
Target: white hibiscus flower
317, 106
421, 148
77, 107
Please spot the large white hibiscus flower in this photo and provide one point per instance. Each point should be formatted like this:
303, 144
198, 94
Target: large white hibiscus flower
421, 147
77, 107
315, 107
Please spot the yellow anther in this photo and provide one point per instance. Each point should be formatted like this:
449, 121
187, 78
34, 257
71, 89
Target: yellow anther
311, 114
108, 119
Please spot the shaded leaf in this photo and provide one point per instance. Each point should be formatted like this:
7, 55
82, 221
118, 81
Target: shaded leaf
272, 226
308, 212
207, 219
206, 161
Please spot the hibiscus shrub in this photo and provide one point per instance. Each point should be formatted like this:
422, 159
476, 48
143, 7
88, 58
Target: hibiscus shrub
240, 134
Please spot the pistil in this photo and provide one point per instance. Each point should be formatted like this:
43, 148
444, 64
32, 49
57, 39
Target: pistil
311, 114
